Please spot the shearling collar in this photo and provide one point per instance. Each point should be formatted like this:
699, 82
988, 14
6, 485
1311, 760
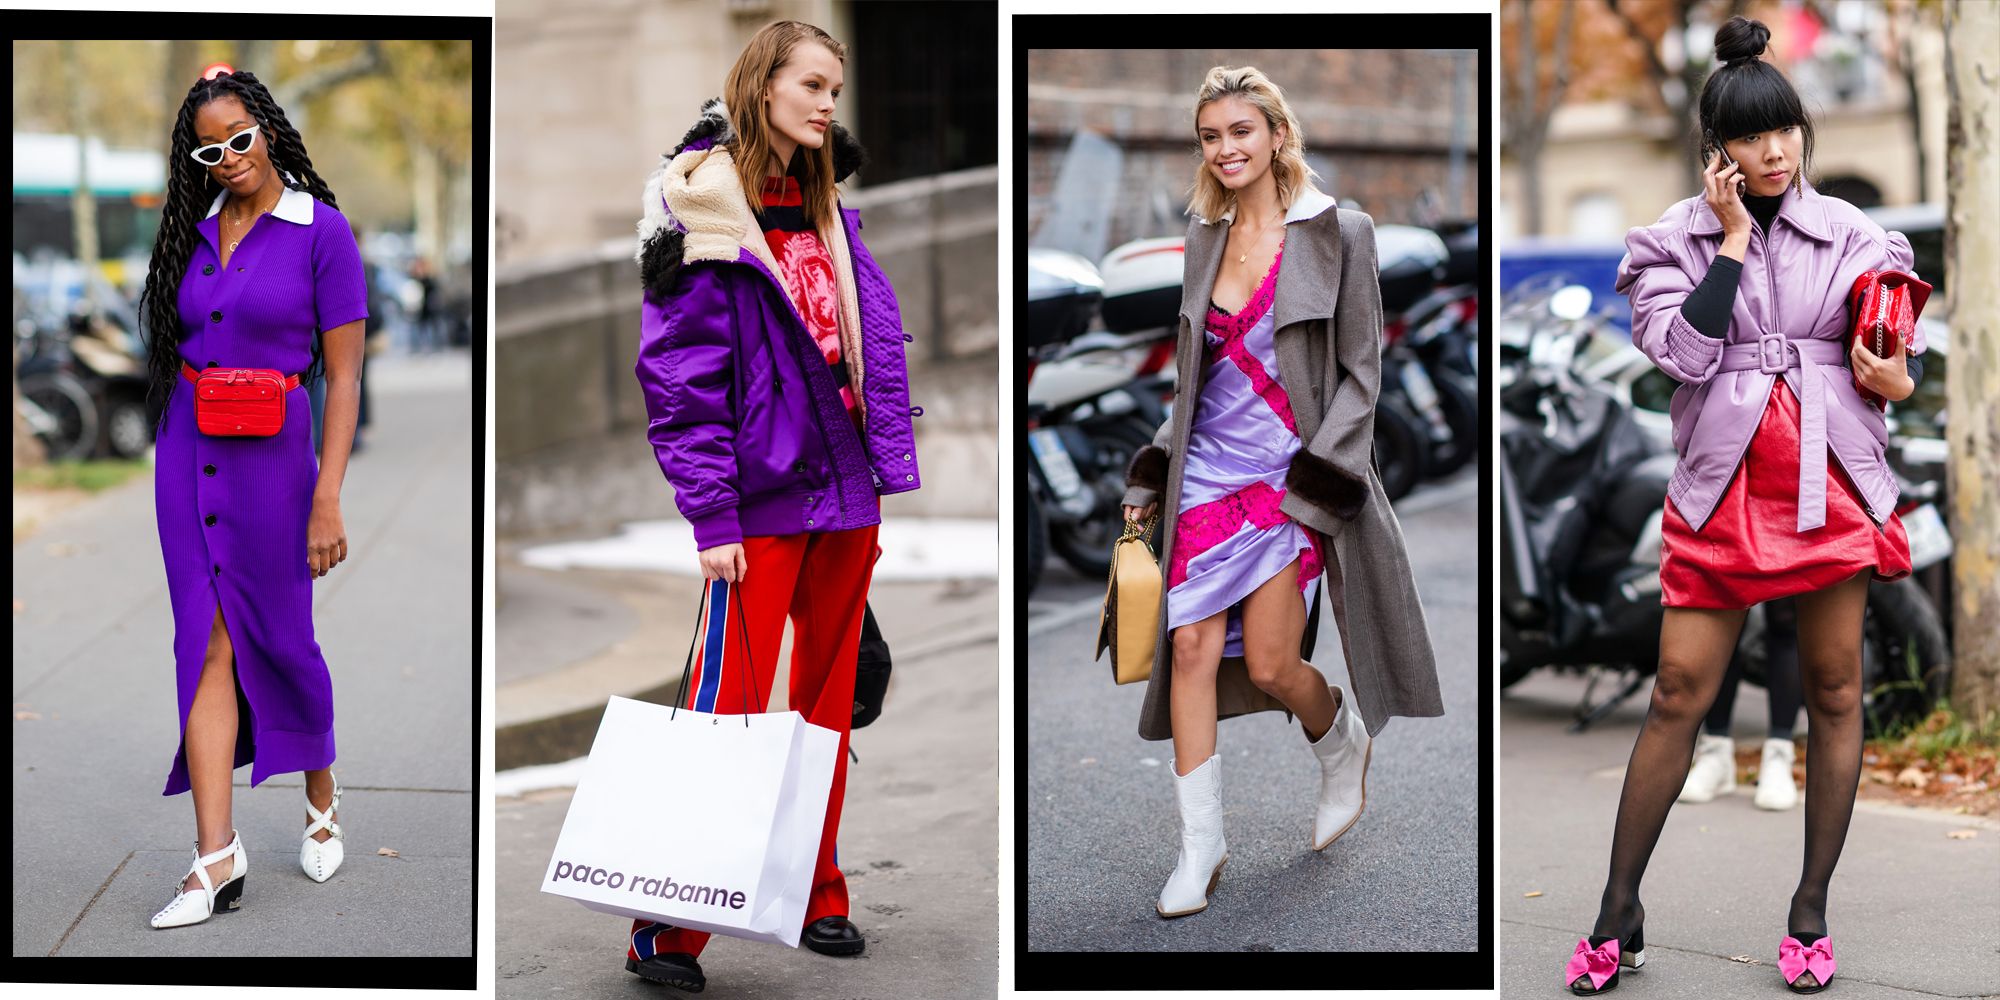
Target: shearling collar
293, 206
695, 210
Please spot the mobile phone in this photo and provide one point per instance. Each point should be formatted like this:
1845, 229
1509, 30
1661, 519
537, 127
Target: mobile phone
1710, 147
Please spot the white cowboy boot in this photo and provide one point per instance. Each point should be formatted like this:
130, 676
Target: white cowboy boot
1203, 849
196, 905
320, 859
1775, 787
1713, 772
1343, 752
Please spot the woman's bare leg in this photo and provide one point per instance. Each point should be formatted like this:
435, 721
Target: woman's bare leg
1695, 645
1191, 701
1274, 620
1830, 673
211, 750
319, 790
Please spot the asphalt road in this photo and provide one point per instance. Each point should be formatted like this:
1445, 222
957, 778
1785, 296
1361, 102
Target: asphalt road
1104, 831
97, 849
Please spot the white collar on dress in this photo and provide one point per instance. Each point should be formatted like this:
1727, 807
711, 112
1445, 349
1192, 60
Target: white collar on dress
293, 206
1309, 204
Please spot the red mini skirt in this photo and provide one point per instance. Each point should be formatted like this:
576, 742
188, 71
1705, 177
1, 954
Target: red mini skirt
1750, 551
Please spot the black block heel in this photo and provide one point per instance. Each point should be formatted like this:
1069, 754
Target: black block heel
1631, 955
230, 896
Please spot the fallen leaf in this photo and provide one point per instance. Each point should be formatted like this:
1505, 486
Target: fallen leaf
26, 716
387, 853
1913, 777
1962, 834
1088, 760
1531, 895
18, 606
1882, 777
1745, 959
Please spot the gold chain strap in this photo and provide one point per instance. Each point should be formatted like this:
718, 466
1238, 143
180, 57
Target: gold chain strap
1133, 529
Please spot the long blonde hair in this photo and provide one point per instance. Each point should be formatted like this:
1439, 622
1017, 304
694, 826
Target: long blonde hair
1208, 199
743, 91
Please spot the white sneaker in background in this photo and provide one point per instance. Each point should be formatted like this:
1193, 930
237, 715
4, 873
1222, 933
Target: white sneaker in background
1775, 788
1713, 772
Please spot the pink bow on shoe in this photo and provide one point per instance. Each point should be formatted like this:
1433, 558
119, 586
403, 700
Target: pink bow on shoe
1599, 962
1795, 958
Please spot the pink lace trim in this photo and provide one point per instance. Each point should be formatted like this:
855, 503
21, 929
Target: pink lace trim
1203, 527
1233, 328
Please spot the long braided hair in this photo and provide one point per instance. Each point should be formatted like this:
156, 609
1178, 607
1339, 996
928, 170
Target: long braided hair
190, 189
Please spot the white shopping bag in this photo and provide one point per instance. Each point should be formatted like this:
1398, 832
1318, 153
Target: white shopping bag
709, 822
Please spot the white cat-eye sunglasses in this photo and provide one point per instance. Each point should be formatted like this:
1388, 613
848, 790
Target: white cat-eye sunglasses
211, 154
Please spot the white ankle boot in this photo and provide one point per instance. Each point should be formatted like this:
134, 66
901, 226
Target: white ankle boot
1203, 849
1775, 788
1343, 752
320, 859
196, 905
1713, 772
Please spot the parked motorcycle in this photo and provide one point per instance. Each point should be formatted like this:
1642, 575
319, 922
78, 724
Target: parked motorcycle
86, 385
1581, 494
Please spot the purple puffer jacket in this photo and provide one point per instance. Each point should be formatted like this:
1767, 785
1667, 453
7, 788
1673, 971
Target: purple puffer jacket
1790, 319
746, 420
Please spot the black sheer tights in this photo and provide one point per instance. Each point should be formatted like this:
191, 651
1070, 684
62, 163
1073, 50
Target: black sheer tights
1695, 646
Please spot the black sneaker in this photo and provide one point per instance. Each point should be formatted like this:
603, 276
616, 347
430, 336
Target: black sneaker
834, 936
676, 968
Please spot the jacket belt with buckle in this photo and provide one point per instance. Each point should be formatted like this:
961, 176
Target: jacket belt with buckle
189, 373
1774, 354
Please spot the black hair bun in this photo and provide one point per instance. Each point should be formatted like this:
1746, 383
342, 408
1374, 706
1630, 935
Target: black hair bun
1740, 40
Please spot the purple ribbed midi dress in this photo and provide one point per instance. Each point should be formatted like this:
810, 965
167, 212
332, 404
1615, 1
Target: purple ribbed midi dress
232, 510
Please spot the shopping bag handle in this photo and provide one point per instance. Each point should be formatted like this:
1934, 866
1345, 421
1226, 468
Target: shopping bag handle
743, 630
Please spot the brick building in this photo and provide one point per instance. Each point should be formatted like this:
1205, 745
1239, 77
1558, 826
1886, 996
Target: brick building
1379, 126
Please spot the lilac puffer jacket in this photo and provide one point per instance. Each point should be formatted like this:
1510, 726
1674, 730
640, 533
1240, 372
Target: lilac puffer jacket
745, 418
1790, 320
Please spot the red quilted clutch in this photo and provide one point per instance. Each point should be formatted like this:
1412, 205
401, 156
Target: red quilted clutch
1884, 306
239, 402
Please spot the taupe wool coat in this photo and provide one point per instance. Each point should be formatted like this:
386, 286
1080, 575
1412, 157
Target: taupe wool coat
1328, 311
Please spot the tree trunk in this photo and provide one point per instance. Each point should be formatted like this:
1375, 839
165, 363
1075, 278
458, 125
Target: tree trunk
1972, 382
82, 200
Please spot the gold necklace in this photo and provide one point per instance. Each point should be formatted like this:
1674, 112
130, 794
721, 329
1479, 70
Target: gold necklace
1244, 257
238, 221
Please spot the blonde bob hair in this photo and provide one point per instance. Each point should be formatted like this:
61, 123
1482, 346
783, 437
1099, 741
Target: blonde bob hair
1209, 199
743, 92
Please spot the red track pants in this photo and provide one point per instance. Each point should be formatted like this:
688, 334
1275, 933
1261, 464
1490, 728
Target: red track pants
819, 580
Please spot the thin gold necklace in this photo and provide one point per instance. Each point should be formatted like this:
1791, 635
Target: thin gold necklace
238, 221
1244, 257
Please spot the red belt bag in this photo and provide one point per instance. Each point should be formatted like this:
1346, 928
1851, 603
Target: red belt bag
1884, 306
239, 402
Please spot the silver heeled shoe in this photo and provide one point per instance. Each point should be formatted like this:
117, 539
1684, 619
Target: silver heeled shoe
320, 859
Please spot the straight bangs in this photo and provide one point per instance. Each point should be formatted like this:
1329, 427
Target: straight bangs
1753, 100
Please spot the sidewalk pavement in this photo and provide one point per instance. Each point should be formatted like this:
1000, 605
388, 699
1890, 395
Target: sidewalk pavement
1912, 911
95, 725
1103, 829
918, 837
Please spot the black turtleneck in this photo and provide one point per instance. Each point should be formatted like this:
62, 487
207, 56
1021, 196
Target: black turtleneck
1707, 307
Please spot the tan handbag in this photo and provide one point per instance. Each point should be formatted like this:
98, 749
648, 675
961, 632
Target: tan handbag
1129, 625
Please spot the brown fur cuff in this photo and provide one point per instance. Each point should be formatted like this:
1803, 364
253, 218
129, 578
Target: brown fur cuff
1148, 469
1323, 484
